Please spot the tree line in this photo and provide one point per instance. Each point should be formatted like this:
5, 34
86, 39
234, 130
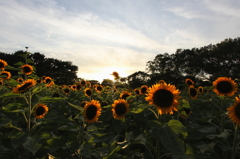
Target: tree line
202, 65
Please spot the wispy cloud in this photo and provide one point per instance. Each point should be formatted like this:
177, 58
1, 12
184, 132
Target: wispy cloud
101, 36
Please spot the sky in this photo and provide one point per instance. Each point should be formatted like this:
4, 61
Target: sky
102, 36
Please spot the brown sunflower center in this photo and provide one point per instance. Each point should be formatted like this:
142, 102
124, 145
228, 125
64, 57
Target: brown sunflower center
1, 83
193, 92
40, 111
66, 90
99, 88
4, 74
78, 87
24, 87
48, 80
237, 110
143, 90
89, 92
224, 87
124, 96
200, 90
1, 65
91, 112
27, 69
120, 109
163, 98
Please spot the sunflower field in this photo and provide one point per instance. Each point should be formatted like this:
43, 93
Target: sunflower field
42, 120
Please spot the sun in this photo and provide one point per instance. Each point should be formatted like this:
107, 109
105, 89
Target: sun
102, 73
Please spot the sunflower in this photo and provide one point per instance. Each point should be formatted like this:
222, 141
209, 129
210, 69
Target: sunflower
88, 92
7, 74
189, 82
200, 90
125, 94
224, 86
92, 111
163, 97
234, 112
48, 81
3, 64
119, 108
78, 86
27, 69
137, 91
143, 89
83, 83
161, 81
40, 111
74, 87
1, 82
23, 87
66, 90
192, 91
20, 80
99, 88
116, 75
39, 81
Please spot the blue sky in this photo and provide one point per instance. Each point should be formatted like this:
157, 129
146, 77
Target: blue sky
102, 36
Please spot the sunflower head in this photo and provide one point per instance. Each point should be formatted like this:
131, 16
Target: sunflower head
39, 81
116, 75
92, 111
119, 108
234, 112
40, 111
1, 83
78, 86
27, 69
143, 89
20, 80
24, 86
189, 82
88, 92
164, 97
125, 94
200, 90
224, 86
3, 64
83, 83
99, 88
192, 91
48, 81
137, 91
6, 74
74, 87
66, 90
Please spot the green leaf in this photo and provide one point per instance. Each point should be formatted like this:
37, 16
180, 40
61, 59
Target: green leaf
32, 144
10, 95
57, 142
76, 106
185, 104
178, 127
6, 122
11, 68
118, 148
154, 124
51, 99
19, 139
170, 140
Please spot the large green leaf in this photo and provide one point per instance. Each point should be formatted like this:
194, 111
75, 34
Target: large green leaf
5, 122
32, 144
178, 127
170, 140
19, 139
76, 106
57, 142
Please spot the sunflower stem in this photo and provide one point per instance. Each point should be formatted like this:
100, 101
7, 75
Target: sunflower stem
234, 142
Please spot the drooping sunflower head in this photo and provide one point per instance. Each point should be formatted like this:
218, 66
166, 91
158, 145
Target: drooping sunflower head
92, 111
224, 86
189, 82
234, 112
192, 91
125, 94
40, 111
6, 74
164, 97
116, 75
20, 80
119, 108
88, 92
49, 81
143, 89
200, 90
23, 87
27, 69
3, 64
137, 91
